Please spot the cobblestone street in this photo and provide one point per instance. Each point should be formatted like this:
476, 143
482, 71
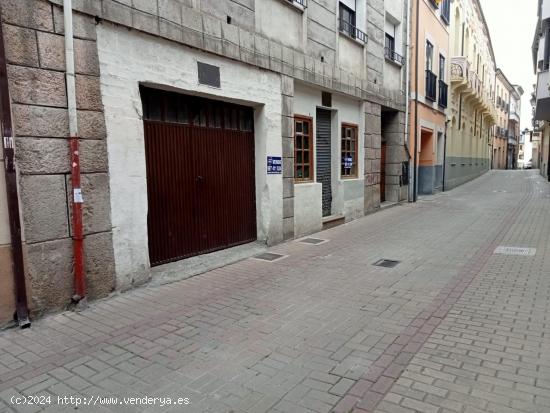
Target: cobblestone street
454, 327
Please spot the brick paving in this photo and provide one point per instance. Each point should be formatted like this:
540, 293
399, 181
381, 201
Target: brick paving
453, 328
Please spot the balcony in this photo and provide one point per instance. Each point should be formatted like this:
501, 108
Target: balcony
542, 104
390, 54
443, 92
350, 30
431, 86
467, 81
459, 71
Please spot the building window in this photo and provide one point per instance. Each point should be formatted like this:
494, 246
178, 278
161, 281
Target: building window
441, 68
429, 56
349, 151
446, 11
390, 45
431, 77
348, 21
389, 50
443, 87
303, 149
546, 62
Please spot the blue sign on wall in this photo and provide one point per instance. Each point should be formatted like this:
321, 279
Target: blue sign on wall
348, 162
274, 165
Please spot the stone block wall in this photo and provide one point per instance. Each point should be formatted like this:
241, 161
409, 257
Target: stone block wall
393, 133
287, 119
34, 41
373, 144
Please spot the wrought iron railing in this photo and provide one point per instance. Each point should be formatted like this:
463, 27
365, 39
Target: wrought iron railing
443, 92
352, 31
431, 85
392, 55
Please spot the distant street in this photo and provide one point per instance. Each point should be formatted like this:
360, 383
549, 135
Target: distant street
453, 327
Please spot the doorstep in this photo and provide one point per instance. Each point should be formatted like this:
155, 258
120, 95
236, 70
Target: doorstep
333, 221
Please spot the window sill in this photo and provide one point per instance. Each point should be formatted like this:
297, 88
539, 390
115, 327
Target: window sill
350, 178
354, 40
303, 181
294, 5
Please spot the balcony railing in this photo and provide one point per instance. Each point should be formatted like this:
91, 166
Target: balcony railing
352, 31
300, 2
431, 85
443, 91
393, 56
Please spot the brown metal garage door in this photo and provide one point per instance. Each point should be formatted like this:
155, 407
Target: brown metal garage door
200, 175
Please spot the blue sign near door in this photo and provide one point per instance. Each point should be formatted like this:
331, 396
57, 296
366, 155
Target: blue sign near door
274, 165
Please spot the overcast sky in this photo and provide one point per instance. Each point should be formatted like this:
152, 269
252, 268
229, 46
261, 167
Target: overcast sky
512, 27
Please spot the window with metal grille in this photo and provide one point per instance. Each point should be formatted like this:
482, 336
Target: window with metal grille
347, 21
349, 150
303, 149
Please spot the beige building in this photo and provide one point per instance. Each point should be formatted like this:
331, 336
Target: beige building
472, 107
501, 131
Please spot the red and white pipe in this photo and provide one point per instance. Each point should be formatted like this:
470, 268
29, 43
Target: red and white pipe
78, 231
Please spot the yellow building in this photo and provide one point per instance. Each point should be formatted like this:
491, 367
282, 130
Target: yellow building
472, 108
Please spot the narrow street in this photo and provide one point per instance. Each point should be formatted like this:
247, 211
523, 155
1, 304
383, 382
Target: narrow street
453, 327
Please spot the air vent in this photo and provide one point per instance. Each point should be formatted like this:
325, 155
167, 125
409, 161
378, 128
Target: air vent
209, 74
326, 99
313, 241
387, 263
269, 256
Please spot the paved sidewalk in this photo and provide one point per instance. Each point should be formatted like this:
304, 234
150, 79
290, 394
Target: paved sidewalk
452, 328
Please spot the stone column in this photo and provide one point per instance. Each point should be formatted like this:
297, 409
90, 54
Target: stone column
36, 63
287, 119
393, 131
373, 139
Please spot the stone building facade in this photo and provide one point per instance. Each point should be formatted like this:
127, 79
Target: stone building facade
287, 63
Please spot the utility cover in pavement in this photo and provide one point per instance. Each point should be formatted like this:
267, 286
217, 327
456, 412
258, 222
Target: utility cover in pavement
313, 241
387, 263
515, 251
269, 256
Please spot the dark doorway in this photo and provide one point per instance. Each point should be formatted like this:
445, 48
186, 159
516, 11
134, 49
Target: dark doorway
200, 175
324, 158
383, 172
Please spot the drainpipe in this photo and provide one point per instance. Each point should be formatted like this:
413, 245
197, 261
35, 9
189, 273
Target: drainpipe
407, 90
21, 307
78, 232
415, 189
445, 153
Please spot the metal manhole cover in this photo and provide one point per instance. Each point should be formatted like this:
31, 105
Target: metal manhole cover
313, 241
269, 256
515, 251
387, 263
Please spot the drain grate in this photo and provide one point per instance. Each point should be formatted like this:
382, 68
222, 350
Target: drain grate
515, 251
269, 256
313, 241
387, 263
